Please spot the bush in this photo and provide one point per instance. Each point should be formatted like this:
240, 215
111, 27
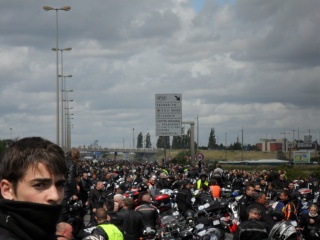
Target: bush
181, 158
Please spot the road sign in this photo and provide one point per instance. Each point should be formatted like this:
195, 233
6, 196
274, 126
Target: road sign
199, 156
168, 114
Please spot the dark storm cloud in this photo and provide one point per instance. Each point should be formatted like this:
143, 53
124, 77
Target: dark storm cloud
291, 32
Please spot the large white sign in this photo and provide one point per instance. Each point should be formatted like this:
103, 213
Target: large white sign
168, 114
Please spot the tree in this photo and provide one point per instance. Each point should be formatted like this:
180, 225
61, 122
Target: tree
185, 141
212, 143
162, 141
235, 146
140, 140
177, 142
148, 141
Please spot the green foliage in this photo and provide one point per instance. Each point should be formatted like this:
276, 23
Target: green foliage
235, 146
176, 142
140, 140
148, 141
281, 155
181, 157
163, 141
212, 139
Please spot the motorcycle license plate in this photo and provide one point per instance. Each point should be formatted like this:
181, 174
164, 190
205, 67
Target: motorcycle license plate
216, 222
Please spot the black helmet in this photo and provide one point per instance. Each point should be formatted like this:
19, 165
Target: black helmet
142, 187
203, 175
185, 235
189, 214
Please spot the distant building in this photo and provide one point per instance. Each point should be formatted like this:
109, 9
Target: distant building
282, 144
273, 145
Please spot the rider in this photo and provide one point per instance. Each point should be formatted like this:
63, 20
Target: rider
184, 197
148, 212
202, 181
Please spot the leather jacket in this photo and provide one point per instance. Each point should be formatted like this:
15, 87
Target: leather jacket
183, 199
251, 229
70, 187
149, 214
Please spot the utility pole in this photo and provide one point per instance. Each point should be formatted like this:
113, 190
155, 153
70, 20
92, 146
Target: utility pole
225, 147
285, 142
293, 138
191, 141
242, 144
197, 133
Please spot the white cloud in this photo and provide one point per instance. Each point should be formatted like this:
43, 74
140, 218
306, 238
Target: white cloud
247, 65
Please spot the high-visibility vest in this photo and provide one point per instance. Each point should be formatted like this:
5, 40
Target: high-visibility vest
288, 210
112, 231
199, 183
165, 171
215, 191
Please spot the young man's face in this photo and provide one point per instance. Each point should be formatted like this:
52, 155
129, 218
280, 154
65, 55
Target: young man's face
283, 197
249, 191
37, 186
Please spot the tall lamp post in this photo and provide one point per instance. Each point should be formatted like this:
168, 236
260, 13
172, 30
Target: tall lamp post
69, 133
65, 8
63, 98
133, 138
67, 122
63, 78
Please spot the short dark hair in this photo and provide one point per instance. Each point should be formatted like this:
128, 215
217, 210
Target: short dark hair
101, 214
248, 185
128, 202
257, 195
28, 152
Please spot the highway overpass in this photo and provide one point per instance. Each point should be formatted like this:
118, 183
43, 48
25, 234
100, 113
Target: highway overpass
148, 153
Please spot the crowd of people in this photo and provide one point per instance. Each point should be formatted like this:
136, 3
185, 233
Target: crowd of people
46, 194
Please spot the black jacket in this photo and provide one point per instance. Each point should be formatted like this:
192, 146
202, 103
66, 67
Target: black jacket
309, 230
265, 217
244, 202
70, 187
149, 214
96, 198
251, 230
183, 199
132, 225
27, 221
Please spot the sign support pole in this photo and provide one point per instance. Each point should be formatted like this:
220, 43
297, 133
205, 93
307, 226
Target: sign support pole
191, 142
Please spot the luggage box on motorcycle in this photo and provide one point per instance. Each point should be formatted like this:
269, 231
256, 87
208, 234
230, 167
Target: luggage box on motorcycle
162, 199
131, 194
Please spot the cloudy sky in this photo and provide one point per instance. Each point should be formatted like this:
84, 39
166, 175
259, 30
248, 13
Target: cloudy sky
239, 64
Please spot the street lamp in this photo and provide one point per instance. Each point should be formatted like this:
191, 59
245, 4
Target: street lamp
133, 138
63, 92
65, 8
63, 86
67, 116
69, 133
